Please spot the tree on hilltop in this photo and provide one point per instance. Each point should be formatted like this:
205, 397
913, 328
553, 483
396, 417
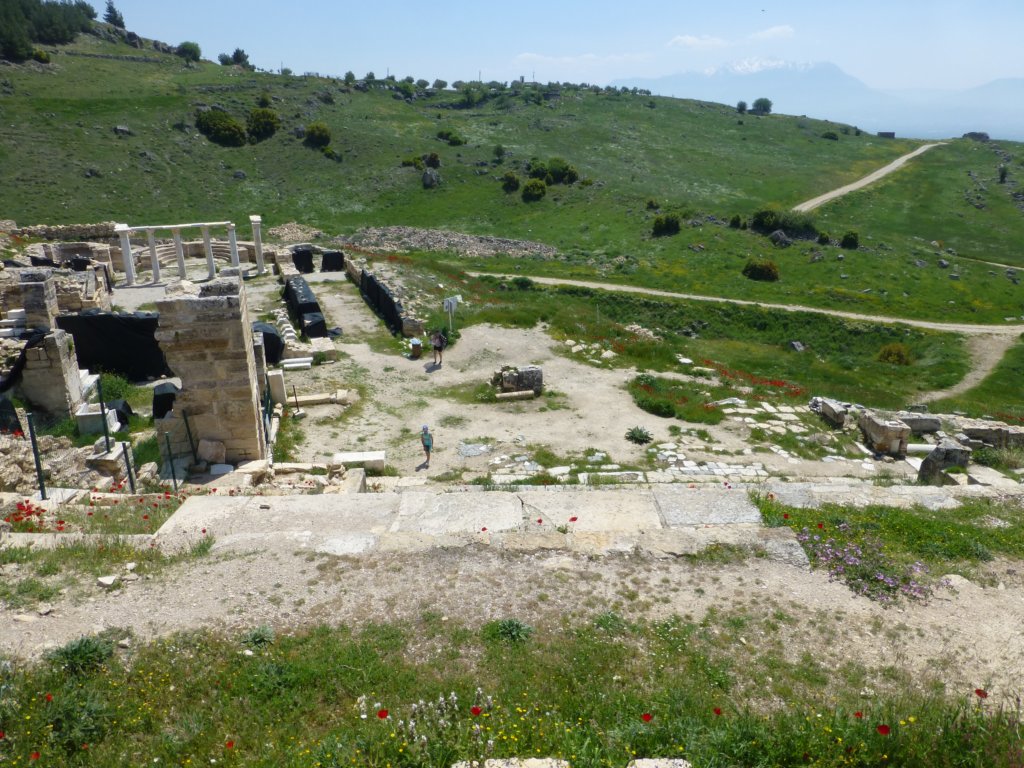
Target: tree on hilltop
761, 106
189, 51
113, 16
741, 107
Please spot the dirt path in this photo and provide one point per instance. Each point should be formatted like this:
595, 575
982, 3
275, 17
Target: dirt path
986, 344
810, 205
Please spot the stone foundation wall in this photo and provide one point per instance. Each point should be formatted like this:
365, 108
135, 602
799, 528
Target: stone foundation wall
206, 336
33, 290
102, 231
51, 380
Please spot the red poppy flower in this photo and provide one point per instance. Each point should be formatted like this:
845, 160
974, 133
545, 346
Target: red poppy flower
646, 717
229, 745
981, 693
34, 756
89, 513
49, 697
382, 714
785, 515
203, 531
821, 525
883, 730
85, 746
718, 711
858, 714
475, 711
540, 521
2, 735
145, 517
573, 519
484, 529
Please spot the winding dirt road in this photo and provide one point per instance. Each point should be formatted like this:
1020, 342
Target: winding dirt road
813, 203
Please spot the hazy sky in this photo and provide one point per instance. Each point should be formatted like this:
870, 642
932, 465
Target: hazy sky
886, 43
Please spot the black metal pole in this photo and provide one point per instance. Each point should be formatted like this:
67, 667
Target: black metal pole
103, 414
127, 448
170, 461
188, 432
35, 454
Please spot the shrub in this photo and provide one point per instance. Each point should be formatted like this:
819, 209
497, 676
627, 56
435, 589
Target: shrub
415, 162
652, 204
433, 160
523, 283
82, 655
830, 135
221, 128
736, 222
823, 238
262, 123
499, 152
189, 51
451, 137
741, 107
895, 353
263, 100
510, 182
850, 240
764, 269
511, 631
666, 225
318, 134
794, 224
656, 407
638, 435
535, 189
536, 169
40, 56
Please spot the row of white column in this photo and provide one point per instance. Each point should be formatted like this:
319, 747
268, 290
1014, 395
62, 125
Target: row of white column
124, 232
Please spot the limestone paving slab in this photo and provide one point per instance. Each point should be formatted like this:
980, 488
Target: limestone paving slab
603, 510
680, 506
450, 513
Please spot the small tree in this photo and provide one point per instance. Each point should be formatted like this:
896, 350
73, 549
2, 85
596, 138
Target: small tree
440, 84
666, 225
318, 134
741, 107
241, 58
113, 16
764, 270
850, 241
1003, 170
762, 106
189, 51
224, 59
350, 77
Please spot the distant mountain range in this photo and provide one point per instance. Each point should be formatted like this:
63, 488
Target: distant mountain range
824, 91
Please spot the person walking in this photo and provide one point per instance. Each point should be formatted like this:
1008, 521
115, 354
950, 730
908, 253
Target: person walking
427, 440
438, 341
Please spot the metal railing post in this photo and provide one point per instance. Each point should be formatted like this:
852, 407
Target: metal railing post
103, 414
35, 454
170, 461
127, 448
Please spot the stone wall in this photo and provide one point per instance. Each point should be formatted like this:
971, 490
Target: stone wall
206, 336
102, 231
50, 379
33, 290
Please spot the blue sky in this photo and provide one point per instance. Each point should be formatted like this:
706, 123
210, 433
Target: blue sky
892, 44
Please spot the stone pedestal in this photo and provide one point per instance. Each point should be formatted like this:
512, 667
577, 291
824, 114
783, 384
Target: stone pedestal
36, 293
884, 435
206, 336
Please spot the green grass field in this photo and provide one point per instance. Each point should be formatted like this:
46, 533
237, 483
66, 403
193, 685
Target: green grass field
694, 159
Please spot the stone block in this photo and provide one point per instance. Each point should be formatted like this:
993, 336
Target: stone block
948, 453
834, 412
889, 436
211, 451
920, 423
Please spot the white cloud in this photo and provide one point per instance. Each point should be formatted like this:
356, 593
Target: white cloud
781, 32
698, 43
752, 65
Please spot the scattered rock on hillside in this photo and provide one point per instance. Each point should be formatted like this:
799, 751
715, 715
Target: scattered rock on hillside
431, 178
123, 130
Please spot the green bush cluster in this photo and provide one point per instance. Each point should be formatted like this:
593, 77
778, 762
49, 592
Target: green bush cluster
262, 123
830, 135
413, 161
510, 182
221, 128
668, 399
793, 223
318, 134
554, 171
896, 353
451, 137
666, 225
765, 270
851, 240
534, 190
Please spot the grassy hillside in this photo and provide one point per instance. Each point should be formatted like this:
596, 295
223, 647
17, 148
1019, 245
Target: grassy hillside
61, 161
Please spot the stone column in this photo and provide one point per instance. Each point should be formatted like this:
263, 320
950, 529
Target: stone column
50, 379
206, 336
179, 253
126, 253
152, 255
256, 221
234, 245
208, 247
